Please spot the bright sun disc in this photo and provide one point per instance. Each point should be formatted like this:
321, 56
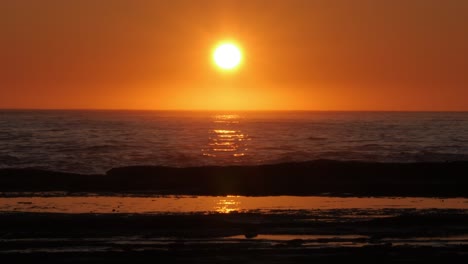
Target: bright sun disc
227, 56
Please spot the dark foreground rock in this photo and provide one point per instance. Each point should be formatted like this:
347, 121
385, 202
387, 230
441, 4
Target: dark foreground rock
307, 178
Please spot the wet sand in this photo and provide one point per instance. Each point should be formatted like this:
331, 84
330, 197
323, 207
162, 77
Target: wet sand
401, 236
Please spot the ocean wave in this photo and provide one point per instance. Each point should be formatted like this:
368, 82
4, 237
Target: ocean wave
7, 160
317, 138
4, 136
102, 147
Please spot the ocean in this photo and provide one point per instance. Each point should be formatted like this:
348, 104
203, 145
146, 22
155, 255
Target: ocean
91, 142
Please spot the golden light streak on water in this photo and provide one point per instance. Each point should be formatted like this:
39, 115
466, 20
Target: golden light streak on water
226, 141
227, 205
221, 204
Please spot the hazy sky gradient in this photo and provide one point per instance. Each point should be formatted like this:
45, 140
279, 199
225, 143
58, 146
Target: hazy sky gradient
314, 55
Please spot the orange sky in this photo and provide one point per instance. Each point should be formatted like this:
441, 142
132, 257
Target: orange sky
303, 55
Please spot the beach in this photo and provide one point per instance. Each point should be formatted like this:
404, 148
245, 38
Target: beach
411, 212
397, 235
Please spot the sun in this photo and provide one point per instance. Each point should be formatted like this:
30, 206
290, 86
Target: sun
227, 56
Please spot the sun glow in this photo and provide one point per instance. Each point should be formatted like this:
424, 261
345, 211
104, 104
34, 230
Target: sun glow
227, 56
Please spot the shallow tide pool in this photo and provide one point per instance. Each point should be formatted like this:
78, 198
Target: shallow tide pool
214, 204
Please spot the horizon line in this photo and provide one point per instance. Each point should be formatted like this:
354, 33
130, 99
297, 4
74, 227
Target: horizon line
218, 110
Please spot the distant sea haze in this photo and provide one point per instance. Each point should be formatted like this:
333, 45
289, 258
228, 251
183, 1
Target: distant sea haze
96, 141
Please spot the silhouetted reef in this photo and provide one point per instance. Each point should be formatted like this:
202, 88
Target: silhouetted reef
320, 177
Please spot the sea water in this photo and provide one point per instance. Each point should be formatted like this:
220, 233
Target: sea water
96, 141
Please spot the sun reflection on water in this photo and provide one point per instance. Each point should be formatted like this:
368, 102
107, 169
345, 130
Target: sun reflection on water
226, 141
227, 205
233, 119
